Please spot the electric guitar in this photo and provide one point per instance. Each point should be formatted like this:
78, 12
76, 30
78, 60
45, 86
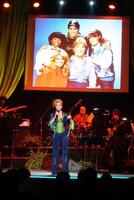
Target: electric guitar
3, 111
111, 131
91, 117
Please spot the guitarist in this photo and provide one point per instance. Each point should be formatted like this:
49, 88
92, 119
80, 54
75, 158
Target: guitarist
3, 105
5, 138
115, 142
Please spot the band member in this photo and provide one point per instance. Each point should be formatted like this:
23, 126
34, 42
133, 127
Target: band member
5, 135
115, 142
3, 105
82, 119
60, 124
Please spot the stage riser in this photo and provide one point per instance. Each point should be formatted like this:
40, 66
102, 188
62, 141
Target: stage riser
14, 163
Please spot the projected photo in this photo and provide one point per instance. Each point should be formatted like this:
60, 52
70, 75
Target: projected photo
77, 54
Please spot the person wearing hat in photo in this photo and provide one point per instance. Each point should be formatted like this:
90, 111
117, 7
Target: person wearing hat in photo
101, 57
44, 54
73, 33
115, 143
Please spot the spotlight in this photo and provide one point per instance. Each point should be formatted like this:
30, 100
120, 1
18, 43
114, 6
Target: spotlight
61, 2
36, 4
95, 109
112, 6
124, 118
91, 3
6, 4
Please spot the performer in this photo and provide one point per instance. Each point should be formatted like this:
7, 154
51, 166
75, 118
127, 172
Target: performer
116, 128
3, 105
60, 124
82, 119
5, 136
83, 122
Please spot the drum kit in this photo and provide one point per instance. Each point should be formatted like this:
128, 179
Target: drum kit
88, 133
81, 136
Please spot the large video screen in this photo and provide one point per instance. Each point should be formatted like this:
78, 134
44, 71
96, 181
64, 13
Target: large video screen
81, 54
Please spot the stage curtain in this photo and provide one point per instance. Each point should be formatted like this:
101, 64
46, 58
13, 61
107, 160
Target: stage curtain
132, 44
13, 23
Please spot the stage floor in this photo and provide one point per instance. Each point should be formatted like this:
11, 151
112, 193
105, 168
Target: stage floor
74, 175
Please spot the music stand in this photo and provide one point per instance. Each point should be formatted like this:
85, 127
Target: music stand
96, 112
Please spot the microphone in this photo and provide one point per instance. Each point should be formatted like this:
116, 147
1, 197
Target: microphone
57, 111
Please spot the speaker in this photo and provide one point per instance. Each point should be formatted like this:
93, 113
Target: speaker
73, 166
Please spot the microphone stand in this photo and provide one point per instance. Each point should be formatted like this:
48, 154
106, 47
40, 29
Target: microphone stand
41, 123
77, 103
96, 112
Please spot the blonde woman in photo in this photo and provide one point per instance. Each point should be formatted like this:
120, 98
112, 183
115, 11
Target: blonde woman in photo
56, 74
82, 73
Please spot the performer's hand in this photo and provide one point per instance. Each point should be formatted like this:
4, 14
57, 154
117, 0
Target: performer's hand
114, 128
58, 114
69, 116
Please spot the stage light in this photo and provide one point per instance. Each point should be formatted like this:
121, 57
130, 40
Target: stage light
112, 6
6, 4
95, 109
61, 2
124, 118
36, 4
91, 3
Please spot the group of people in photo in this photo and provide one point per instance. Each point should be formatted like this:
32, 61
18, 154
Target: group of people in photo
75, 61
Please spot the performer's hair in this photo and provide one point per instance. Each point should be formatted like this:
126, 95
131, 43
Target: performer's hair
57, 101
116, 111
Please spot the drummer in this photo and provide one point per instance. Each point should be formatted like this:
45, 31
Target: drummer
82, 120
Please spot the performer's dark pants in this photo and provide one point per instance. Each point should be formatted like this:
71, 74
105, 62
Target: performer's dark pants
5, 132
117, 145
57, 140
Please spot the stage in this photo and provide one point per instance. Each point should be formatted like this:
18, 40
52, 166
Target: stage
42, 174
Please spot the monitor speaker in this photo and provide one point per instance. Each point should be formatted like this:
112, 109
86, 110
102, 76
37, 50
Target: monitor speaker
74, 166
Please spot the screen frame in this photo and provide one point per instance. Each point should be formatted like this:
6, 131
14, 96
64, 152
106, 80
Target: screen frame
29, 64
